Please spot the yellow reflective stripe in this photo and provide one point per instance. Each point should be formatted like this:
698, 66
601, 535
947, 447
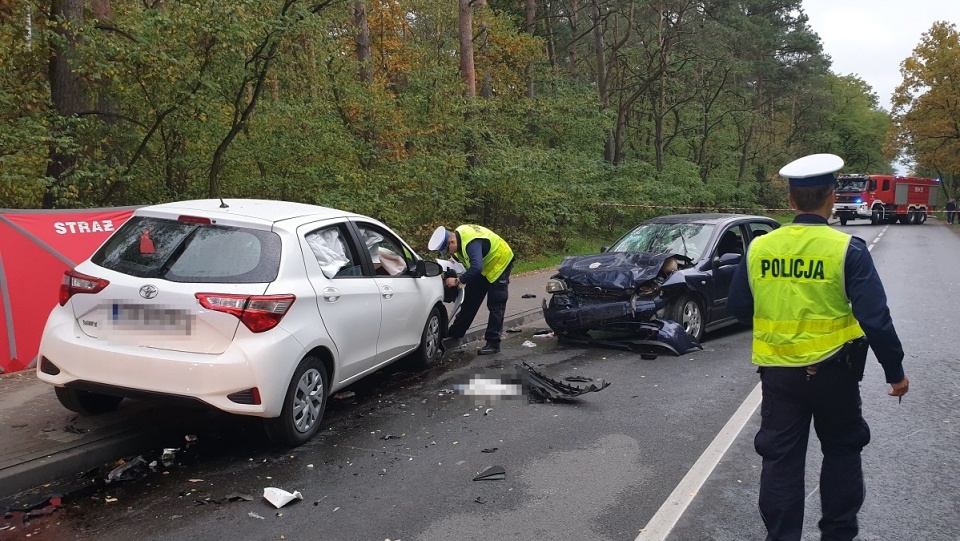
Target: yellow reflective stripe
827, 342
793, 327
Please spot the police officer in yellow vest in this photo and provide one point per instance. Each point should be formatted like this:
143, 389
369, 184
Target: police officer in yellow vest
488, 260
815, 301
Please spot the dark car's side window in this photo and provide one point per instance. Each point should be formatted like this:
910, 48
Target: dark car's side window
758, 229
731, 242
331, 246
388, 255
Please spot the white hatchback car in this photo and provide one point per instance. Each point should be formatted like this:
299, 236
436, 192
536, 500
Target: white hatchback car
255, 307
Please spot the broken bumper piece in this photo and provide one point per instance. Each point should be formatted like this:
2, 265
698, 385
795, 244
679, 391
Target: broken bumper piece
648, 334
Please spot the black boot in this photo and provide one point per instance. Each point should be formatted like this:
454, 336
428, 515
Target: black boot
489, 348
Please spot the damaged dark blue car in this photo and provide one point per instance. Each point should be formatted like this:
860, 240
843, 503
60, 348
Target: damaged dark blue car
665, 282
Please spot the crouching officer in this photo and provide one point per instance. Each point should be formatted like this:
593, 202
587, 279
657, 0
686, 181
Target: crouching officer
814, 300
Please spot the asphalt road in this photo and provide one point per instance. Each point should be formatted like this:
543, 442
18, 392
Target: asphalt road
397, 460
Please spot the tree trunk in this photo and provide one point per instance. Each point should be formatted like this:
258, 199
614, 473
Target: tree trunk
530, 28
467, 70
362, 40
601, 75
66, 87
575, 32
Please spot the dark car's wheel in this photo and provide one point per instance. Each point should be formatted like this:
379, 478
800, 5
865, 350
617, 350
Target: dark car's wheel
686, 311
429, 349
86, 402
303, 405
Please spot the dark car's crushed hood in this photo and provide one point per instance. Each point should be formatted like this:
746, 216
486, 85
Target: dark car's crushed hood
611, 270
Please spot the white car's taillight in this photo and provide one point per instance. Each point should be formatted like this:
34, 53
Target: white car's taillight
75, 282
257, 312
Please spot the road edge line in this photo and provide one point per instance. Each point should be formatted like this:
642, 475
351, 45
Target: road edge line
676, 504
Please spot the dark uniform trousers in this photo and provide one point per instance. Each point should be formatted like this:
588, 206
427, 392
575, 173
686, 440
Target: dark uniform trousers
496, 293
791, 397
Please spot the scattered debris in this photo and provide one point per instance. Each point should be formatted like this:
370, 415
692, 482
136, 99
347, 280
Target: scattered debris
544, 335
542, 387
238, 497
251, 514
74, 430
110, 499
279, 497
343, 395
528, 296
129, 471
529, 344
493, 473
190, 438
479, 499
168, 456
487, 411
543, 332
489, 450
389, 437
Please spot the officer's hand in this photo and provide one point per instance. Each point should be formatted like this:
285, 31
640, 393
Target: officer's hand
901, 388
450, 282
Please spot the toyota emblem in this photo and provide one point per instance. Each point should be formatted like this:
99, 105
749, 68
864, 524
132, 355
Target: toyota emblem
148, 291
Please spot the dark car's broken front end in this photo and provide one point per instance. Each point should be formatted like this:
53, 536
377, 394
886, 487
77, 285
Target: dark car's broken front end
613, 291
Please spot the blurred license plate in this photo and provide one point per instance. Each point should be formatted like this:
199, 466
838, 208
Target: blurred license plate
151, 318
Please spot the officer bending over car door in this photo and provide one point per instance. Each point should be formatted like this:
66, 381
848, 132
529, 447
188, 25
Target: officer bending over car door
814, 300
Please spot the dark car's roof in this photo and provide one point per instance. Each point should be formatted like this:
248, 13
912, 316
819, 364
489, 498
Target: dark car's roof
705, 218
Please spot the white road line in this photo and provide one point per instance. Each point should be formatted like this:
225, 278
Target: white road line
670, 512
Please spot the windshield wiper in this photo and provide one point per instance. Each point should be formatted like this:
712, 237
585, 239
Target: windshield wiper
684, 241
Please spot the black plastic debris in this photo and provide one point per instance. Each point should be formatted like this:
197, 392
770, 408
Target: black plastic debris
541, 387
389, 437
648, 338
493, 473
542, 332
479, 499
130, 470
528, 296
489, 450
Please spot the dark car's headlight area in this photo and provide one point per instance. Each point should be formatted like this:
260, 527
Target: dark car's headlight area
556, 286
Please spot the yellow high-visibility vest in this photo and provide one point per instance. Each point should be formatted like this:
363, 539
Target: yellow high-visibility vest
496, 260
801, 311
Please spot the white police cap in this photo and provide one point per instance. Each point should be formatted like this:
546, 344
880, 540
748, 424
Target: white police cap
812, 170
438, 241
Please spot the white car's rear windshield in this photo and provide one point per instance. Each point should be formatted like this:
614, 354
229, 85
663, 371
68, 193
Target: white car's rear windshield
191, 252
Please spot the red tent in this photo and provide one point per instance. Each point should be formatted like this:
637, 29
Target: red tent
36, 247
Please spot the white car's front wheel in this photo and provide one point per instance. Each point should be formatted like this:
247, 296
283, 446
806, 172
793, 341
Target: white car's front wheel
429, 349
303, 405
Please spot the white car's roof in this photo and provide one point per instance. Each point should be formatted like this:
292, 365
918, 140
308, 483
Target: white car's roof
254, 210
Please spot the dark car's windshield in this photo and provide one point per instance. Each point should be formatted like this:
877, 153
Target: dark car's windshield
687, 239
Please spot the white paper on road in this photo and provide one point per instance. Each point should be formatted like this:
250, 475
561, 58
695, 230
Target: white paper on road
279, 497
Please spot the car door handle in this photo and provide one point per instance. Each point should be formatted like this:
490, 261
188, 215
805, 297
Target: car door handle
331, 294
386, 292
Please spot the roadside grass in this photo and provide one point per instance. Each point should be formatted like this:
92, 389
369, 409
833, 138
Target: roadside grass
578, 246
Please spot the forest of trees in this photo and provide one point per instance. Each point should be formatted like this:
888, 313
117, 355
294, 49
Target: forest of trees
543, 119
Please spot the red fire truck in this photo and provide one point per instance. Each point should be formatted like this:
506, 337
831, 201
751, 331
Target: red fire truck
884, 198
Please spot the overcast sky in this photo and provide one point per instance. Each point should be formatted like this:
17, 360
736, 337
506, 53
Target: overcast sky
871, 39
